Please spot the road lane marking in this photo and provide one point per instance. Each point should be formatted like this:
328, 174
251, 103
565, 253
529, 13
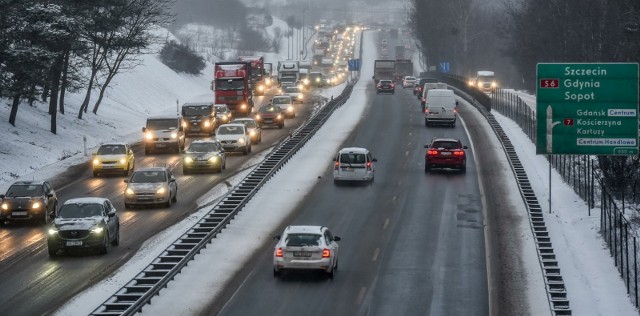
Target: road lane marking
406, 153
363, 291
395, 197
376, 253
386, 223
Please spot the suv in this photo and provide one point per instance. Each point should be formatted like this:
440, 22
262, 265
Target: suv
306, 248
223, 114
354, 164
387, 86
234, 137
199, 118
84, 223
445, 153
163, 132
152, 185
28, 200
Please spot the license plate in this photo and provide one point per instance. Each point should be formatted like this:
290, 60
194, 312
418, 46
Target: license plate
445, 153
347, 169
161, 145
433, 113
305, 254
108, 167
74, 243
195, 129
19, 213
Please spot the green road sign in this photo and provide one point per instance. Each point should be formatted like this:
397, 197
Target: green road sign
587, 109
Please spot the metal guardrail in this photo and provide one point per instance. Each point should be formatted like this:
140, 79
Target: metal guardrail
130, 298
554, 283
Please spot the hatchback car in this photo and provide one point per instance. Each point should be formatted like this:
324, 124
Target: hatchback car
296, 94
234, 137
28, 200
417, 91
306, 248
354, 164
270, 115
445, 153
223, 114
113, 158
84, 223
285, 102
152, 185
255, 132
204, 155
385, 86
408, 82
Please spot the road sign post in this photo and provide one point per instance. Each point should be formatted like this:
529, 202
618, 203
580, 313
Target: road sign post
587, 109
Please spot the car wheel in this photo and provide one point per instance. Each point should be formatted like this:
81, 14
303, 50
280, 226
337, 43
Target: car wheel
168, 203
249, 148
175, 197
276, 273
330, 274
463, 169
245, 151
95, 173
53, 251
281, 126
116, 241
45, 217
106, 244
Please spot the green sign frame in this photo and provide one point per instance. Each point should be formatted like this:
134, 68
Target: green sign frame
587, 108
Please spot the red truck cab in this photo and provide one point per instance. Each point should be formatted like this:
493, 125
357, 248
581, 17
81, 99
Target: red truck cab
232, 86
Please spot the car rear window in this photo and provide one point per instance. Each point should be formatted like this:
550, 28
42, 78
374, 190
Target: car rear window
297, 240
352, 158
446, 145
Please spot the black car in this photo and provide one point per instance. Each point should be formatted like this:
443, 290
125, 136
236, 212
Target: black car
386, 86
84, 223
417, 90
270, 115
199, 118
28, 200
204, 155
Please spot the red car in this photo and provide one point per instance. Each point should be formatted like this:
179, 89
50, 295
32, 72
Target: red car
386, 86
445, 153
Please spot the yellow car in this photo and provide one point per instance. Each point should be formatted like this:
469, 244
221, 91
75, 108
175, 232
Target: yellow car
113, 157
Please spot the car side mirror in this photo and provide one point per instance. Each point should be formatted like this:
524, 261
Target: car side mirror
456, 102
465, 147
173, 179
50, 195
130, 152
112, 214
336, 238
277, 237
144, 129
126, 180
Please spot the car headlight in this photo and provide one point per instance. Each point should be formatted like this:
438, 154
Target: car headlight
243, 106
317, 79
493, 84
96, 161
252, 133
207, 123
241, 141
97, 230
185, 124
188, 160
268, 81
129, 191
300, 86
214, 159
36, 205
174, 135
148, 135
290, 109
162, 190
123, 161
258, 116
5, 206
300, 96
52, 231
260, 88
279, 116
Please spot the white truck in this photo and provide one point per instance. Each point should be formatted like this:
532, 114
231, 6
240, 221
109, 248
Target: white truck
485, 80
288, 72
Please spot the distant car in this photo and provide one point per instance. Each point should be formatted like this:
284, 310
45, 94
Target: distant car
445, 153
255, 132
83, 223
234, 137
295, 93
306, 248
223, 114
386, 86
199, 118
151, 185
113, 158
28, 200
204, 155
417, 91
408, 82
285, 102
162, 133
354, 164
270, 115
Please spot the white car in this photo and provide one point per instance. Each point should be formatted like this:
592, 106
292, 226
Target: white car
306, 248
295, 93
353, 164
409, 82
234, 137
151, 185
285, 103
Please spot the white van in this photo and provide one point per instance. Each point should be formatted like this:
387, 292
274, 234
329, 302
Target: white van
440, 107
428, 86
353, 164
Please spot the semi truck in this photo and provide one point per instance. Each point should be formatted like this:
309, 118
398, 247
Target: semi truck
485, 80
404, 67
257, 73
232, 86
383, 69
288, 72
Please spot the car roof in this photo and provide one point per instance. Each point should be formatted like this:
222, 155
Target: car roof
282, 96
359, 150
232, 124
86, 200
204, 141
198, 103
242, 119
297, 229
163, 117
32, 182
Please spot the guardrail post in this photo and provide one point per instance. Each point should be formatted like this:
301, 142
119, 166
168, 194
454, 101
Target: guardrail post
635, 268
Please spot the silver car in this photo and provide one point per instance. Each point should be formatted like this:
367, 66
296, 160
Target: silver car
306, 248
153, 185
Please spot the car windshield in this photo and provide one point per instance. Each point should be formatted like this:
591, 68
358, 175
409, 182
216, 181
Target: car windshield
24, 190
80, 210
352, 158
193, 110
148, 177
202, 147
446, 145
269, 109
230, 130
292, 90
230, 84
161, 124
281, 100
111, 150
247, 123
297, 240
221, 108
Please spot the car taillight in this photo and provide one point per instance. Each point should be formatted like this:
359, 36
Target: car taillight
369, 166
426, 110
326, 253
279, 252
458, 153
336, 166
432, 152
